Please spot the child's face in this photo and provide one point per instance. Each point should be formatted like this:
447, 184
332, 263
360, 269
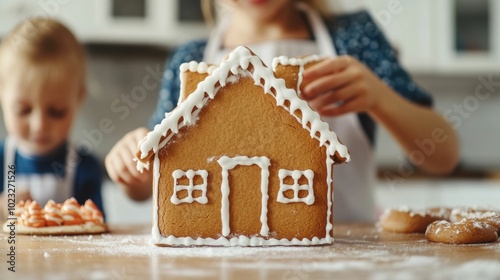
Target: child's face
40, 116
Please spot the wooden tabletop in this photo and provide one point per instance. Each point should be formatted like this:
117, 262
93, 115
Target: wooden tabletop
359, 252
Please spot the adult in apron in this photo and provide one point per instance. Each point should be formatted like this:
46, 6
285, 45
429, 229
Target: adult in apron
353, 194
42, 186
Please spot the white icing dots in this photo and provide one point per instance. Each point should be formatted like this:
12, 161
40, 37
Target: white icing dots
295, 187
190, 187
193, 66
238, 241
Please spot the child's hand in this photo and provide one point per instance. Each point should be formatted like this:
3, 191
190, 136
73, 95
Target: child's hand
122, 168
342, 85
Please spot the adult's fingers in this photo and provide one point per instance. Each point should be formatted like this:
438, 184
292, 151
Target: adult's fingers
328, 83
351, 106
334, 97
327, 66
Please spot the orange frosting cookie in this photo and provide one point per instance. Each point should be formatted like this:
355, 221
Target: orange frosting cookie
68, 218
53, 214
19, 210
466, 231
404, 220
71, 212
90, 213
33, 216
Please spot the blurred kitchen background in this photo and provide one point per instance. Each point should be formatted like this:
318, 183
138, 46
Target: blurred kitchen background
451, 47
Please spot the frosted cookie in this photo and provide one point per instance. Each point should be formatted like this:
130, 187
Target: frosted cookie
33, 216
466, 231
404, 220
442, 213
71, 213
488, 216
53, 214
56, 219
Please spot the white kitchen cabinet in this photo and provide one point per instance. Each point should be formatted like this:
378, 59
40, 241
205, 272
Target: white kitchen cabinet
445, 36
428, 34
468, 33
153, 22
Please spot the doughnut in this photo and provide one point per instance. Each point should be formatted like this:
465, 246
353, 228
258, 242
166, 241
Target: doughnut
404, 220
466, 231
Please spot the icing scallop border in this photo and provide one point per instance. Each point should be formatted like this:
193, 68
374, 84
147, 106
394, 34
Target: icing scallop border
238, 241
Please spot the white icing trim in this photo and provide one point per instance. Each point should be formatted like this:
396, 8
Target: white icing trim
329, 193
240, 241
195, 67
228, 163
296, 175
177, 174
155, 230
240, 59
301, 62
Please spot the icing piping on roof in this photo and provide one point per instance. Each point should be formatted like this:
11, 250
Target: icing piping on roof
284, 60
198, 67
301, 62
241, 58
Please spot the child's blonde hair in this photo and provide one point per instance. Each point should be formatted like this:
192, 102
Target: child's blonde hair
40, 43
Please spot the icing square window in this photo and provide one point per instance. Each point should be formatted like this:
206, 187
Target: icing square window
189, 186
296, 186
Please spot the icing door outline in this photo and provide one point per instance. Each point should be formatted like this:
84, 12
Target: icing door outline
228, 163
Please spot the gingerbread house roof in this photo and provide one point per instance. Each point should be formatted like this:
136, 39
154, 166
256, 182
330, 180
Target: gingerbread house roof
240, 62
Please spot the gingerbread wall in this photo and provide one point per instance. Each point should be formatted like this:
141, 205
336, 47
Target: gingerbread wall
241, 121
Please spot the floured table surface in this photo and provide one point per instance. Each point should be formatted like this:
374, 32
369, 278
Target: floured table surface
360, 251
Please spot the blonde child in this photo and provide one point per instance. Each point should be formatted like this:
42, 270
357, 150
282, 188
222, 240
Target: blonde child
42, 86
358, 85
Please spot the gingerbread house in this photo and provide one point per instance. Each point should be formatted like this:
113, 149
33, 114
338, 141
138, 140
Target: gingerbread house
242, 160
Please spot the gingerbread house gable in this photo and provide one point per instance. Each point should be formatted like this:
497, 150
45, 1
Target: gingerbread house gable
214, 176
240, 62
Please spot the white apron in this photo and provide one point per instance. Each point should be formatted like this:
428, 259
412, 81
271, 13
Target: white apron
353, 195
42, 187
